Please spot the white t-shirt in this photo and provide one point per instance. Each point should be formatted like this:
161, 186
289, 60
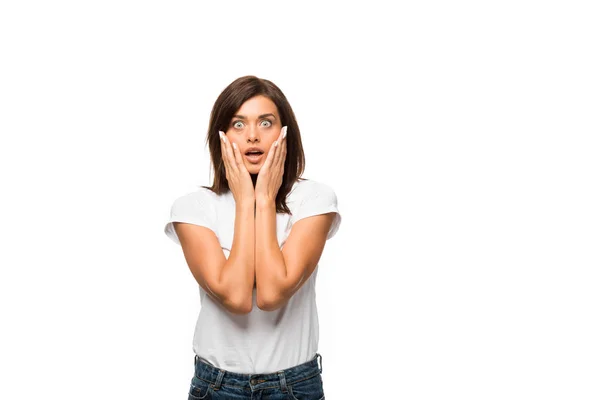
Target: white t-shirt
260, 341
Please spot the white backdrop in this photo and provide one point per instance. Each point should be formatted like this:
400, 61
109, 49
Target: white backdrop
460, 137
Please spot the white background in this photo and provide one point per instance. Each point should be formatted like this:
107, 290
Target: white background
460, 137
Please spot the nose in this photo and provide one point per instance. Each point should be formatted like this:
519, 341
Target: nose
252, 135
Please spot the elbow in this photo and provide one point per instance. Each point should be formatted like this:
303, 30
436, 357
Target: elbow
267, 305
239, 306
273, 298
270, 303
236, 301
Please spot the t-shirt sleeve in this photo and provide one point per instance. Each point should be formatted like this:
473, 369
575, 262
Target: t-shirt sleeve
194, 208
318, 199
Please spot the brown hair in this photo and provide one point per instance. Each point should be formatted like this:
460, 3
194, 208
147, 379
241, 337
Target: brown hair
229, 101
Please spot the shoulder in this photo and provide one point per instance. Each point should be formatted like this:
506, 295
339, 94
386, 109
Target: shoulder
311, 194
310, 188
197, 208
200, 198
314, 198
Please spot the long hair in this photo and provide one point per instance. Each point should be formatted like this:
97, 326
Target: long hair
229, 101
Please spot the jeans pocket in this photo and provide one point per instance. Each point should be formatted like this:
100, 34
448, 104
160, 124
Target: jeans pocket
199, 389
307, 389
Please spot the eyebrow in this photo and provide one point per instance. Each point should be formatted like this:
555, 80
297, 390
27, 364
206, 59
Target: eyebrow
259, 117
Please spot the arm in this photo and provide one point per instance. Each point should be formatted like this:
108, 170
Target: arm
240, 274
228, 281
280, 273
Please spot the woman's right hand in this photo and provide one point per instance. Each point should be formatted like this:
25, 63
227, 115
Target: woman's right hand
238, 177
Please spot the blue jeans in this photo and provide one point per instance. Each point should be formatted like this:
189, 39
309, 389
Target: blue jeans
302, 382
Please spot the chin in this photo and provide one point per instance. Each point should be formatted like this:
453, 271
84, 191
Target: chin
253, 168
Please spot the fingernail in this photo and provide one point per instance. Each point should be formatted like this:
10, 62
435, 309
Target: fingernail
276, 143
284, 132
235, 146
221, 134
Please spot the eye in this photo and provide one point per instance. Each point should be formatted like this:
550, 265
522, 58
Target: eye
266, 123
238, 124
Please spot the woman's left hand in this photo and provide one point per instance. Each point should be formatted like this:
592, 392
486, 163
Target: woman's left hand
270, 176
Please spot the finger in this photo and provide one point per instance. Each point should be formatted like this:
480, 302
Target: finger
230, 166
280, 166
283, 152
270, 156
281, 145
229, 154
224, 151
238, 157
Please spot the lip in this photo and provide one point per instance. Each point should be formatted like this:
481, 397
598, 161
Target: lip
254, 159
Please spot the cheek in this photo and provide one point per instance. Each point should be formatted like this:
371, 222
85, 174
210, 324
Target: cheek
236, 141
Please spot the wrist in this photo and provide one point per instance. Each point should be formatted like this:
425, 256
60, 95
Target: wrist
264, 202
245, 205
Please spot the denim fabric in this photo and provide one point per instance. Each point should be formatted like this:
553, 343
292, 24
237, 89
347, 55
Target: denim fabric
302, 382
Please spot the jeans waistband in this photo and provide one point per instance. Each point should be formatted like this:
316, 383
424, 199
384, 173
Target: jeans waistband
283, 378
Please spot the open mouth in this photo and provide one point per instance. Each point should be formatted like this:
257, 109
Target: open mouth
254, 156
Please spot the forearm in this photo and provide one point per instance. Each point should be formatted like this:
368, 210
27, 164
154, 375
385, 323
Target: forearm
238, 272
271, 273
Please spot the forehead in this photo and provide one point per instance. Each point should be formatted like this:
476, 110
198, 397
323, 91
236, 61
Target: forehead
256, 106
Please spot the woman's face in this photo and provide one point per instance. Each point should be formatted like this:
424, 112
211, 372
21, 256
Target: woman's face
255, 125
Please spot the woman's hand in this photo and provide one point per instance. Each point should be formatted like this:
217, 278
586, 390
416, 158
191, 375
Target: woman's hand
238, 177
270, 175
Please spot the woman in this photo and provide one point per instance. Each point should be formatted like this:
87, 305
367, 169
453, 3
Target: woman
252, 242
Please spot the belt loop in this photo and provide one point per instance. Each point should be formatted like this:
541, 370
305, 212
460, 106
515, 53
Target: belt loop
282, 381
320, 362
217, 384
